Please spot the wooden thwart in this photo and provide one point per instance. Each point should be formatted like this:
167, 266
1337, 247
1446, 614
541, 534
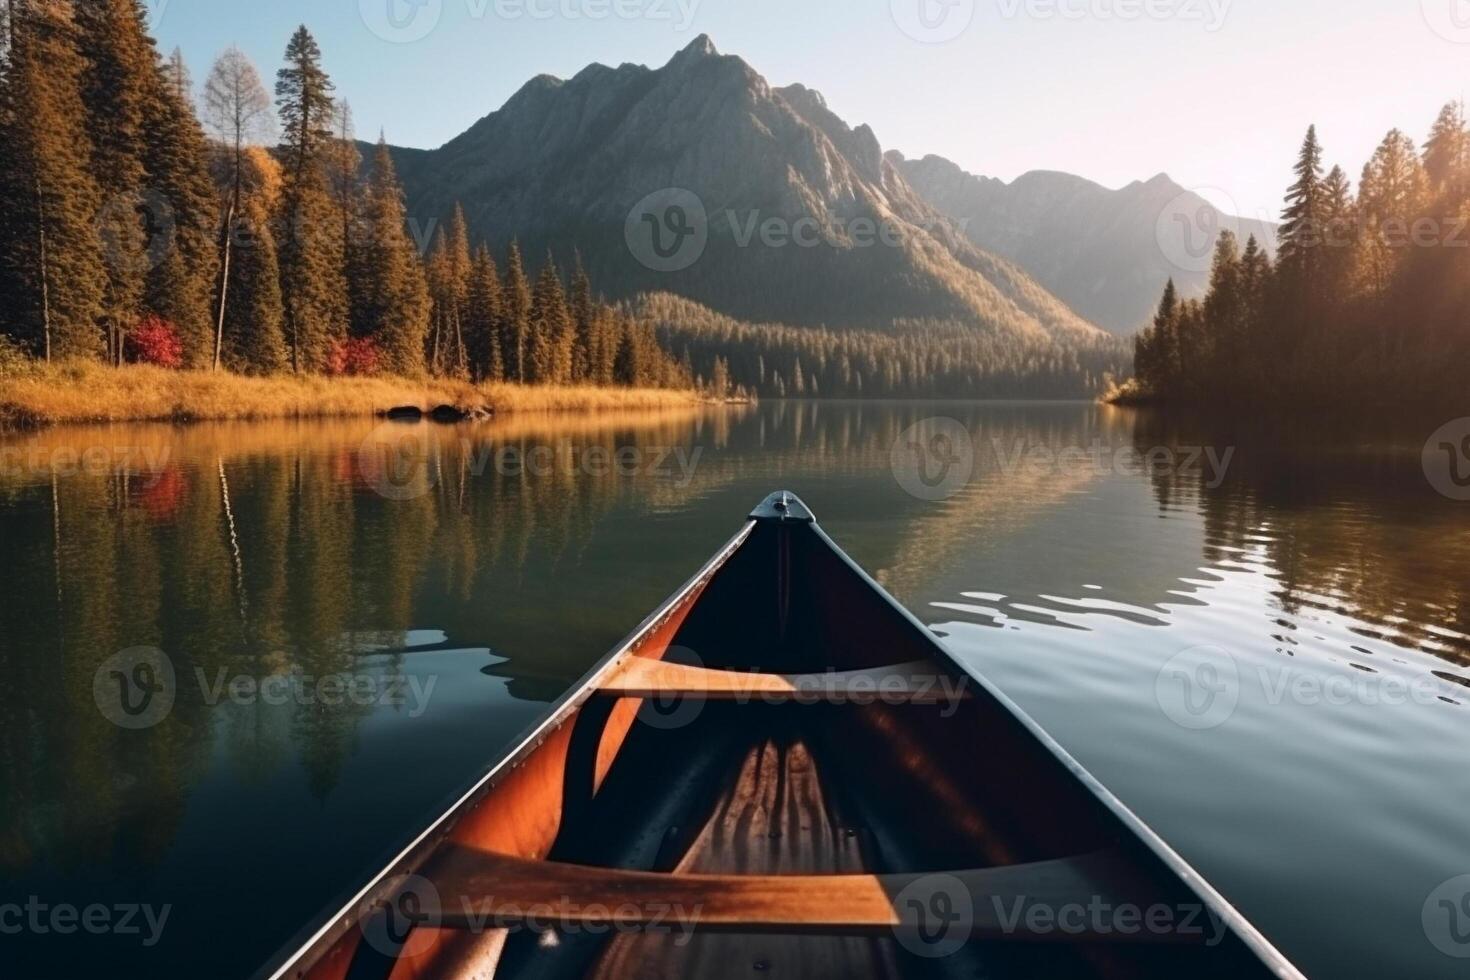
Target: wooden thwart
1057, 901
919, 682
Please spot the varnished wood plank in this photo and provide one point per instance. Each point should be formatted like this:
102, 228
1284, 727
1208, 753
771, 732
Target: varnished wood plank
919, 682
474, 886
775, 817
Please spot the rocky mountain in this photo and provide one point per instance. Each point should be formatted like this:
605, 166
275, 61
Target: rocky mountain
701, 179
1106, 253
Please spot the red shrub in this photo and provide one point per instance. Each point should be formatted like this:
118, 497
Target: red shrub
153, 340
357, 356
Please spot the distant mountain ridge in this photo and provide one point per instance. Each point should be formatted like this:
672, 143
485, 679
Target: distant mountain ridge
1106, 253
564, 163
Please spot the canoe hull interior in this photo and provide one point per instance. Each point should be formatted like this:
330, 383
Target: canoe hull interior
737, 799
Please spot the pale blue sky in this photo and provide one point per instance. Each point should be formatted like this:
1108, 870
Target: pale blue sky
1217, 93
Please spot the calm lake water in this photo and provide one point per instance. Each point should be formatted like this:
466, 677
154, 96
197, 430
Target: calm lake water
1264, 650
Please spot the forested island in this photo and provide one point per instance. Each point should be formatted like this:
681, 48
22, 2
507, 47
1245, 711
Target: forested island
1366, 307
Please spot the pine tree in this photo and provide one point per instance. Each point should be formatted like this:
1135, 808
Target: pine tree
120, 64
549, 346
456, 274
515, 316
626, 369
720, 379
482, 321
52, 279
1222, 341
183, 257
343, 164
1392, 199
313, 285
1339, 237
1301, 221
584, 318
253, 341
1447, 156
391, 295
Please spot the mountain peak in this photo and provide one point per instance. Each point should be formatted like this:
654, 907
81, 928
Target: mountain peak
701, 47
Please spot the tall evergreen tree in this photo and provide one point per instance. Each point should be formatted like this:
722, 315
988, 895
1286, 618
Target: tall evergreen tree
515, 316
551, 329
391, 295
1339, 237
343, 166
1447, 155
1301, 221
52, 279
482, 323
313, 285
585, 321
120, 64
456, 274
1392, 199
182, 257
253, 341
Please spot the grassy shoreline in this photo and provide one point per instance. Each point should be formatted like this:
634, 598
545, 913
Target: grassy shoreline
42, 395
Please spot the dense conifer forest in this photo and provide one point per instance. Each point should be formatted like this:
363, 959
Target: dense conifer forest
1367, 305
246, 233
914, 359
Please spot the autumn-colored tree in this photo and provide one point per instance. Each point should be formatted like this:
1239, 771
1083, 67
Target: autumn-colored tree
52, 279
390, 295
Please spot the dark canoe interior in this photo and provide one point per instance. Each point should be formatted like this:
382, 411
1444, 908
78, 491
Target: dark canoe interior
891, 794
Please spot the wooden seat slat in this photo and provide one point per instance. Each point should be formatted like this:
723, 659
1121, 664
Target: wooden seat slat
914, 683
475, 889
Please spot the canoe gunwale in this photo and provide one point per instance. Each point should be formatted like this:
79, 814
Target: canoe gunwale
299, 955
1271, 957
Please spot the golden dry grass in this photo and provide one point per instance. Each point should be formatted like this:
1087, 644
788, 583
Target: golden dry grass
87, 392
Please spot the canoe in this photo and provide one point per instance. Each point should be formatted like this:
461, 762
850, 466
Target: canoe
782, 772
